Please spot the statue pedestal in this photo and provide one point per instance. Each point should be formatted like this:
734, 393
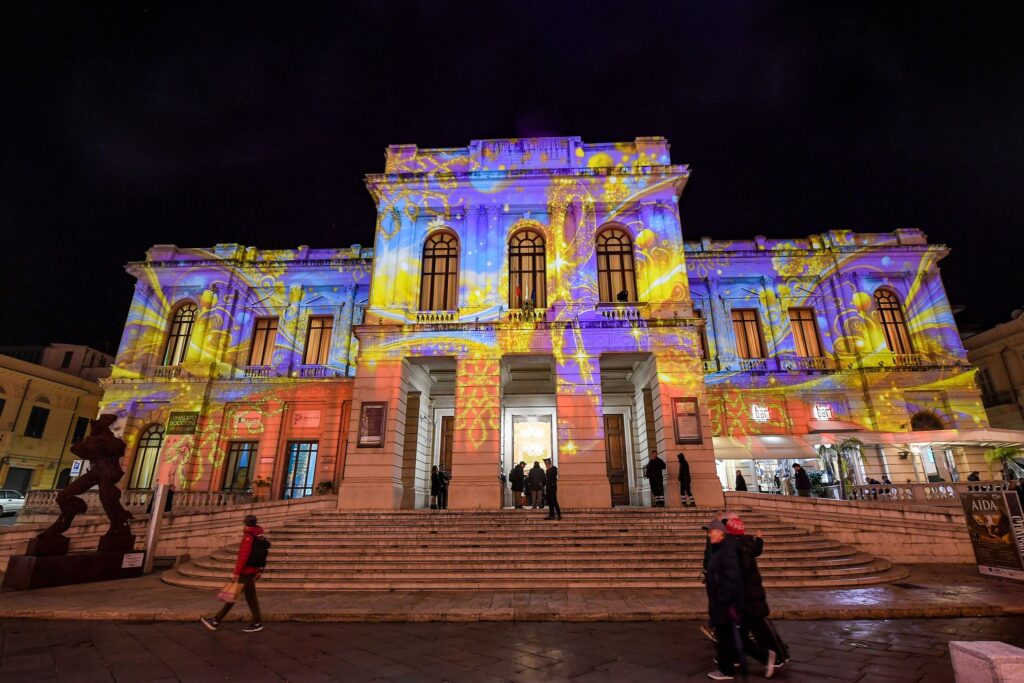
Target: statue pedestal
41, 571
48, 545
122, 543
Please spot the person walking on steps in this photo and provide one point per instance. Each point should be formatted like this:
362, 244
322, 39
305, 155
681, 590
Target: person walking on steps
725, 601
758, 634
802, 481
654, 471
252, 558
517, 479
536, 482
685, 493
551, 490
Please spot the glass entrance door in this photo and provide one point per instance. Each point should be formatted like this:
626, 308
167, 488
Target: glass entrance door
300, 470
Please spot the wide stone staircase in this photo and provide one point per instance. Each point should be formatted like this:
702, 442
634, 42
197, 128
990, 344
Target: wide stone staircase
519, 549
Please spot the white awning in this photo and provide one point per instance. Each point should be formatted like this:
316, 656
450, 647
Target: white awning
766, 447
983, 437
832, 426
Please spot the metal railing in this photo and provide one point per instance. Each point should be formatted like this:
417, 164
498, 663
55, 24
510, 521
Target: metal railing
932, 493
136, 501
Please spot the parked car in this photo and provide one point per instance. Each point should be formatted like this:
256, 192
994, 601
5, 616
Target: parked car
11, 502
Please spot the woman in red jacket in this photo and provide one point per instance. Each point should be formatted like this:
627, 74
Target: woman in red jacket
247, 576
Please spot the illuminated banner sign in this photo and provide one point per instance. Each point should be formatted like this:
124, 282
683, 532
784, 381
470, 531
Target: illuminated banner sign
996, 526
182, 423
759, 413
822, 411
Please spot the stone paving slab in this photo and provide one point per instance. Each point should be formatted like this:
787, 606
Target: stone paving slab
930, 591
859, 651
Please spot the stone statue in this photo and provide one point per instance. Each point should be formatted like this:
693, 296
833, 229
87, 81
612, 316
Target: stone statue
103, 450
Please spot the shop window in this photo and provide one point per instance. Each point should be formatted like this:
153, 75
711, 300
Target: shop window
527, 270
890, 315
805, 332
746, 325
264, 335
616, 274
238, 467
179, 334
440, 282
318, 340
36, 424
81, 424
146, 455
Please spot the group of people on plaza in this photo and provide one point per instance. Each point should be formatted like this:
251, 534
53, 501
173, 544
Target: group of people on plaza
536, 487
797, 485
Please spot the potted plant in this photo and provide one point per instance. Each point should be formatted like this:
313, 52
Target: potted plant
260, 488
1005, 456
325, 487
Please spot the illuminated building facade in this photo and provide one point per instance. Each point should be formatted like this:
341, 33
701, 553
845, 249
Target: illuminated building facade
526, 299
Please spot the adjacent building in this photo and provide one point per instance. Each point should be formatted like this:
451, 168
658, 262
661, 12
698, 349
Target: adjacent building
535, 298
998, 354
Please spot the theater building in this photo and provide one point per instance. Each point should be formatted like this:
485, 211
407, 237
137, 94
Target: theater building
533, 298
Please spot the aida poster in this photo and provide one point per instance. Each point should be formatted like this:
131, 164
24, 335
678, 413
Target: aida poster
996, 526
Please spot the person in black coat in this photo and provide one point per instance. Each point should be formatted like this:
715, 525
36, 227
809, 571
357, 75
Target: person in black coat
685, 494
761, 640
444, 478
802, 481
741, 483
517, 478
551, 490
435, 487
536, 482
725, 598
655, 472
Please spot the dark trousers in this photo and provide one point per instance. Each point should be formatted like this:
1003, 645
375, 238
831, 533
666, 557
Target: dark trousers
684, 491
553, 508
248, 582
803, 493
536, 495
442, 499
754, 627
727, 649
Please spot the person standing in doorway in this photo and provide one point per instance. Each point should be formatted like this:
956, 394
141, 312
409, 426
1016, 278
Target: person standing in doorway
517, 478
655, 473
248, 570
551, 490
536, 482
435, 487
685, 494
741, 482
802, 481
445, 478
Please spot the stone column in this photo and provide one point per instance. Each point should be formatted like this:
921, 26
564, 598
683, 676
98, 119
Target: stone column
680, 375
477, 448
373, 476
718, 316
582, 466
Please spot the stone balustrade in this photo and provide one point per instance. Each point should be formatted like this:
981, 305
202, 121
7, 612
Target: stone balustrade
136, 501
931, 493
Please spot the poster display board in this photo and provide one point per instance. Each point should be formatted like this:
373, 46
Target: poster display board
181, 423
996, 526
371, 424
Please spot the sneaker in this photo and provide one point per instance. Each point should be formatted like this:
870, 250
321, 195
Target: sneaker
209, 622
709, 632
717, 675
252, 628
769, 668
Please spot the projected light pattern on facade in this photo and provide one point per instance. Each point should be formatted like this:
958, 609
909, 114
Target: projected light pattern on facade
790, 326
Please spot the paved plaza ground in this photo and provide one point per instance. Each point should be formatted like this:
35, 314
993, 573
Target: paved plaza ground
482, 652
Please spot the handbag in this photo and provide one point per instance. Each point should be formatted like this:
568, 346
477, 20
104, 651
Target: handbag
230, 591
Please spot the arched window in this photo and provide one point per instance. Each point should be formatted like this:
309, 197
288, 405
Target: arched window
527, 270
890, 315
146, 455
925, 420
616, 276
180, 333
440, 284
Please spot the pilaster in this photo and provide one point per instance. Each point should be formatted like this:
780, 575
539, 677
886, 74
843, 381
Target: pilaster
477, 446
582, 465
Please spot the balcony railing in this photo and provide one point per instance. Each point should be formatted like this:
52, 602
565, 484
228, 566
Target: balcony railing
752, 364
434, 317
909, 360
260, 371
167, 371
937, 493
136, 501
711, 365
315, 371
809, 363
998, 398
526, 315
621, 311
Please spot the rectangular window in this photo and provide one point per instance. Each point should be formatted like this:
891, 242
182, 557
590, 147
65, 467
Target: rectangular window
805, 332
318, 340
264, 335
985, 382
37, 422
746, 325
300, 470
703, 335
241, 457
66, 361
81, 424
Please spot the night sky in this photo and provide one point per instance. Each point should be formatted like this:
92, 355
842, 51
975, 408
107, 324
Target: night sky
147, 124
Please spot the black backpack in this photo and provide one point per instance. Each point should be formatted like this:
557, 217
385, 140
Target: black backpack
259, 552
